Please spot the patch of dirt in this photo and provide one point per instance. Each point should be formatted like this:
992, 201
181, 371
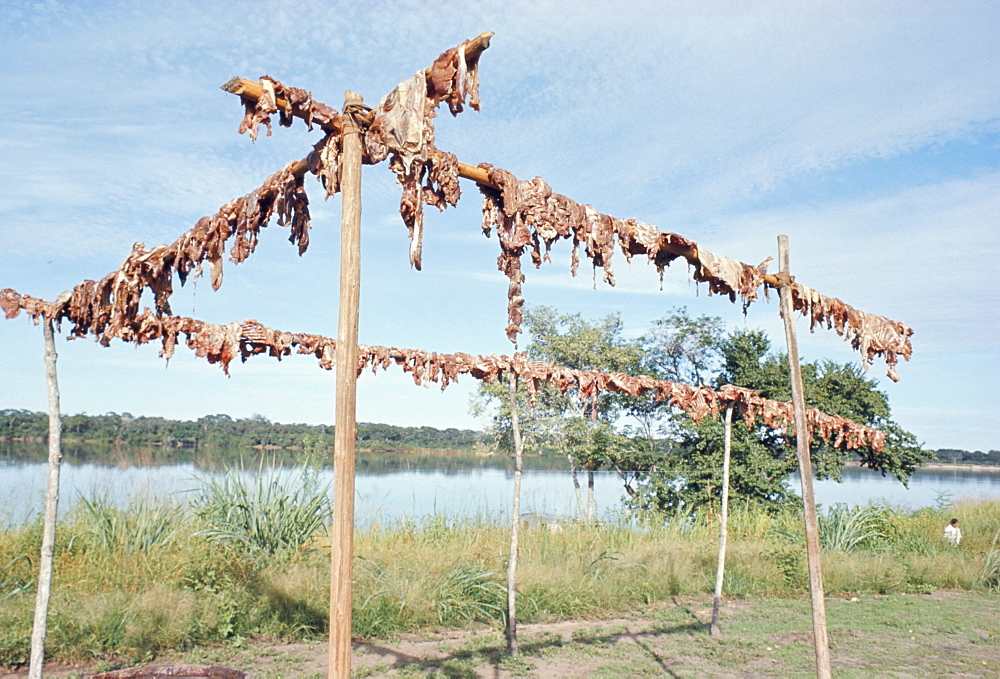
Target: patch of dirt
667, 639
479, 652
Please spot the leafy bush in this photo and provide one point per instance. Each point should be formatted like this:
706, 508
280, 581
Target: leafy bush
265, 515
845, 528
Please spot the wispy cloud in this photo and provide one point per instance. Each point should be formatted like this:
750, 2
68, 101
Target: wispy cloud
866, 132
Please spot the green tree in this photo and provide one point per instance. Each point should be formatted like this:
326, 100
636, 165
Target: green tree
582, 429
677, 348
689, 478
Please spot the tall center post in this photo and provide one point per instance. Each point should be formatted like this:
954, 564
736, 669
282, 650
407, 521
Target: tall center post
342, 530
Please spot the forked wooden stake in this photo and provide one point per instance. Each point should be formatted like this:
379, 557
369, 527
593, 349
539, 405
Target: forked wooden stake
820, 638
40, 625
342, 530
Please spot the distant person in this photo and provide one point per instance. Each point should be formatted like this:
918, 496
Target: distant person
952, 533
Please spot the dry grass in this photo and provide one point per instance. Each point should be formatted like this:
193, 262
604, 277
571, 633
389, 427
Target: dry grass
113, 601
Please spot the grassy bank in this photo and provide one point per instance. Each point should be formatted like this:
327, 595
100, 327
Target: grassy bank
254, 562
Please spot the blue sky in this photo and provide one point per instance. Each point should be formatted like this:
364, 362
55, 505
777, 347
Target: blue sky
866, 132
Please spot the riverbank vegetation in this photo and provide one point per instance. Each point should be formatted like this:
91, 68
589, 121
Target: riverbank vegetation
223, 431
134, 581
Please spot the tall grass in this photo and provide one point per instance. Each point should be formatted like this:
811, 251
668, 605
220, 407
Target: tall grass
128, 593
10, 584
845, 529
990, 577
265, 515
143, 524
469, 593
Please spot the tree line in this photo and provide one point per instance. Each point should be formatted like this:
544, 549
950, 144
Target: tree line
225, 431
955, 456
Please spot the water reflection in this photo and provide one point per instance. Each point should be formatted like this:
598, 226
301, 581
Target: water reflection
394, 487
926, 488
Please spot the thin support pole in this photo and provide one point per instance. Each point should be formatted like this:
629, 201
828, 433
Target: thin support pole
802, 435
342, 530
720, 571
590, 497
515, 525
581, 508
40, 625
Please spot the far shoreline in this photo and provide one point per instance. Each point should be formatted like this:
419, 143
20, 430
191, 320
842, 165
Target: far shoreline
943, 466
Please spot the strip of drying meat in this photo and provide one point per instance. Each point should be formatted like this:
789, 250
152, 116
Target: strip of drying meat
528, 218
403, 127
295, 102
222, 343
453, 78
288, 103
870, 334
528, 212
112, 303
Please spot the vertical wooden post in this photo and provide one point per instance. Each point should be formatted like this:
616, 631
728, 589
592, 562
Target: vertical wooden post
802, 435
515, 526
342, 530
581, 508
590, 497
40, 625
720, 571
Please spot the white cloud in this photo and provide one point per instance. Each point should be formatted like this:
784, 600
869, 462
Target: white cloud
721, 121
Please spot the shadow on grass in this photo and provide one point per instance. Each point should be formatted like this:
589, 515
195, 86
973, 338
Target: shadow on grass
463, 663
639, 640
292, 612
390, 655
697, 623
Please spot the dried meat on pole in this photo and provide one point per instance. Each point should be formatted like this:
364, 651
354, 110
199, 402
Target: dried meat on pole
223, 343
400, 128
870, 334
112, 303
109, 307
527, 215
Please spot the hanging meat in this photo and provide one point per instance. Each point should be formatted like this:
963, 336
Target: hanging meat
403, 127
529, 217
870, 334
288, 103
222, 343
527, 214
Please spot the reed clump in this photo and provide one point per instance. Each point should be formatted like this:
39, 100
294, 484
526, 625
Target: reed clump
136, 579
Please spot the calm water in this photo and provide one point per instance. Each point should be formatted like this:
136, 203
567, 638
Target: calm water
390, 489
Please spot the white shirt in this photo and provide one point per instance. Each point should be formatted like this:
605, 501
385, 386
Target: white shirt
953, 534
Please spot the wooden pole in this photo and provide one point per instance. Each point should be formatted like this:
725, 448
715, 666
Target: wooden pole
720, 571
580, 506
342, 530
515, 526
802, 435
40, 625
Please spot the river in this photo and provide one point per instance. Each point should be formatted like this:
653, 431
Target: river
391, 488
